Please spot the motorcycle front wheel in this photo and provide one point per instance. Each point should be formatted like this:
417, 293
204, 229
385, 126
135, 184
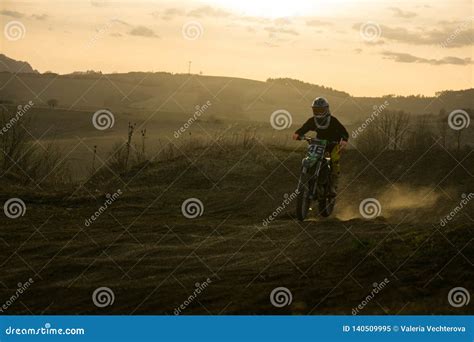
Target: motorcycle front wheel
303, 200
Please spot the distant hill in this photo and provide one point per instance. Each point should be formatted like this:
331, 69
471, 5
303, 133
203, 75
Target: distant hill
145, 93
10, 65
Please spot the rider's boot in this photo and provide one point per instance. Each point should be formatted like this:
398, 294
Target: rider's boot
334, 182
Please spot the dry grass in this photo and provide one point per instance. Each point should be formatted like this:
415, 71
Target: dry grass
25, 160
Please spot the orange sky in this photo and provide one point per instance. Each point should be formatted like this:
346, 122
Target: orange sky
367, 48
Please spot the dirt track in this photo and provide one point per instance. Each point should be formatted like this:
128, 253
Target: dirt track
152, 257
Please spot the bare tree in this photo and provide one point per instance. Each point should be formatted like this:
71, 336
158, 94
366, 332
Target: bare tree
387, 131
131, 130
442, 126
401, 121
422, 136
385, 125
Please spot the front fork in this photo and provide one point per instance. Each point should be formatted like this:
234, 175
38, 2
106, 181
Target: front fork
313, 179
319, 187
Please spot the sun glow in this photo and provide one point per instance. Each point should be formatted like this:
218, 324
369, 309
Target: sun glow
272, 8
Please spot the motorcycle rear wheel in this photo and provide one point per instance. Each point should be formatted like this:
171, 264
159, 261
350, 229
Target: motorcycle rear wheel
326, 205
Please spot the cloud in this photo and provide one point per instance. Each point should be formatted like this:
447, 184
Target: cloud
269, 44
40, 16
169, 14
282, 21
408, 58
375, 42
203, 11
13, 14
254, 20
402, 14
317, 22
101, 3
143, 31
430, 37
121, 22
208, 11
457, 35
276, 30
275, 41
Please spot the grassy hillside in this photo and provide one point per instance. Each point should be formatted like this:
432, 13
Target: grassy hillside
231, 98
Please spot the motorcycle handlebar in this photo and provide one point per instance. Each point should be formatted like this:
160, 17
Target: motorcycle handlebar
308, 139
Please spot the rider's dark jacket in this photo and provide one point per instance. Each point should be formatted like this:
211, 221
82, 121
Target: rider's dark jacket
334, 132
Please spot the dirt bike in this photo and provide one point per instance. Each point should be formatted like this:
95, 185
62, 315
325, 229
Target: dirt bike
315, 181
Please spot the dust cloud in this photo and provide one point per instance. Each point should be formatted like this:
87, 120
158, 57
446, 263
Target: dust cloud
392, 201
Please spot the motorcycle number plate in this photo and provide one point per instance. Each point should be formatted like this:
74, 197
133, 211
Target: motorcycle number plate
317, 149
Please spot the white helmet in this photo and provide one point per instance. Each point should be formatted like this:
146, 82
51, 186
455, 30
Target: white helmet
321, 112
